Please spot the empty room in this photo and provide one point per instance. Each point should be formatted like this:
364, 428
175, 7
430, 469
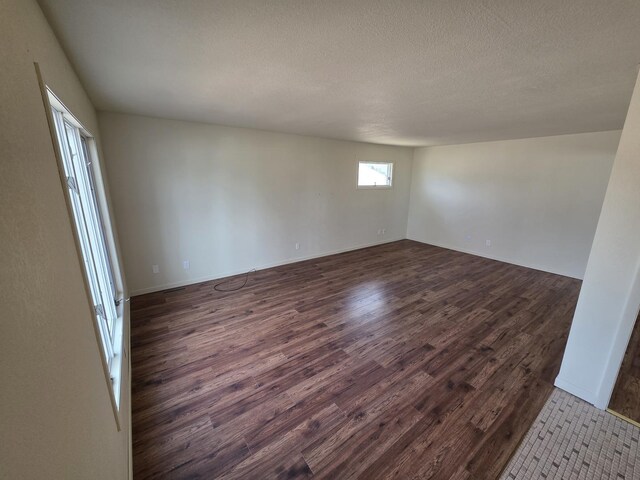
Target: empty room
287, 239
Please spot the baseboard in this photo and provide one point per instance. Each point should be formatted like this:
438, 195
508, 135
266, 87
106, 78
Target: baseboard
497, 258
575, 390
192, 281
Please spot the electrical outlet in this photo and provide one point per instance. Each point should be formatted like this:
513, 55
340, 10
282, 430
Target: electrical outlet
297, 246
186, 265
488, 243
384, 230
155, 268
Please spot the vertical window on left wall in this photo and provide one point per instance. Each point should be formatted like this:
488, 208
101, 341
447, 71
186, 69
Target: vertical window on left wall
81, 175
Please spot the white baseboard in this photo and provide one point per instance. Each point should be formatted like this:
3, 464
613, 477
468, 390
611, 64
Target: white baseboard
167, 286
191, 281
498, 258
586, 395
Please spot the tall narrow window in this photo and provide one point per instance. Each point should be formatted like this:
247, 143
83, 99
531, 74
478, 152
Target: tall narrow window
89, 220
375, 174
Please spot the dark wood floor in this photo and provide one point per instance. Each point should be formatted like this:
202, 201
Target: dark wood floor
397, 361
626, 394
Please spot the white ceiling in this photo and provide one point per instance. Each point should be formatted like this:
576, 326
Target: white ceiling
406, 72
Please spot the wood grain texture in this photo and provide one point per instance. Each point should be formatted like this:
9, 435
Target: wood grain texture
397, 361
626, 393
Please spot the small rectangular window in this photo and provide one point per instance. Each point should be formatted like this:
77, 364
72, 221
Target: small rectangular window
375, 174
89, 221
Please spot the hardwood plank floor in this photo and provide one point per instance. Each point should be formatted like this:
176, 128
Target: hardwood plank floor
397, 361
626, 394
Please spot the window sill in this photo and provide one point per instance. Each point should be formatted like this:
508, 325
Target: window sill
119, 362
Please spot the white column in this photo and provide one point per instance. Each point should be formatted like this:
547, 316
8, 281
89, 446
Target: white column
610, 295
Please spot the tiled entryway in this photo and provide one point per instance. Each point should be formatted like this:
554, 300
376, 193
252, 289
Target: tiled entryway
572, 439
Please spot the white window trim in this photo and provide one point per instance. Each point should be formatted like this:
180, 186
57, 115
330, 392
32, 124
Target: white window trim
374, 187
112, 354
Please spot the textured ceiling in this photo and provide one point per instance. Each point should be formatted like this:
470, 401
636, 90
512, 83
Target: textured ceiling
403, 72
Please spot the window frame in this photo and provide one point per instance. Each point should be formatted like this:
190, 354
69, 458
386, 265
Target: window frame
374, 187
101, 270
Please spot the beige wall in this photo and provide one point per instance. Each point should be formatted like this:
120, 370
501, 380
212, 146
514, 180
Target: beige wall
537, 200
55, 417
231, 199
610, 295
